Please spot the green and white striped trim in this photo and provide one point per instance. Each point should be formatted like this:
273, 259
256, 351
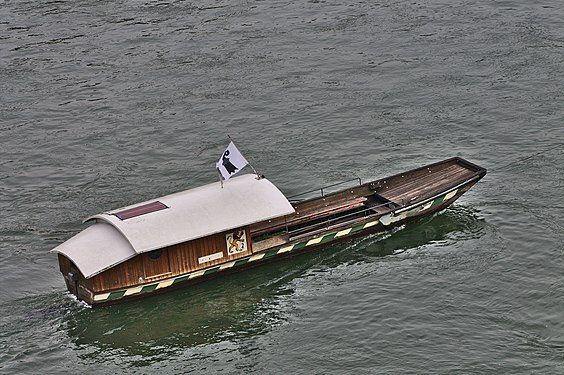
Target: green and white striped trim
418, 208
385, 220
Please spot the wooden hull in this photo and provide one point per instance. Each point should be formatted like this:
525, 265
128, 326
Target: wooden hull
373, 207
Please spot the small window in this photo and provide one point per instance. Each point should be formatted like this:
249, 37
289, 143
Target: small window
155, 254
140, 210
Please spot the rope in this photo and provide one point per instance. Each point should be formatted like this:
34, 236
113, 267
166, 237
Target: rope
528, 157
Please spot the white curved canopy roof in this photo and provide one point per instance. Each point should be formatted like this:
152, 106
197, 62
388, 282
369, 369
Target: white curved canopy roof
97, 248
188, 215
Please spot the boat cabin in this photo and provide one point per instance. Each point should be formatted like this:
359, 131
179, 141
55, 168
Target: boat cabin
172, 235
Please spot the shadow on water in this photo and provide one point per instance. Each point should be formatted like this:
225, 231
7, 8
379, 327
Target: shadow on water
240, 305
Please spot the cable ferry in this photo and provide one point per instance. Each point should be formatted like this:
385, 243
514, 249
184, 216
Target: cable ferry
239, 222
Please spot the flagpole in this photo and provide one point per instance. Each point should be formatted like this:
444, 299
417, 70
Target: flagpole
220, 178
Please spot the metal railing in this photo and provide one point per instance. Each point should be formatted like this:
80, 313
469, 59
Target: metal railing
323, 189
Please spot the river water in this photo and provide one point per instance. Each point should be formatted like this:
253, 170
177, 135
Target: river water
109, 103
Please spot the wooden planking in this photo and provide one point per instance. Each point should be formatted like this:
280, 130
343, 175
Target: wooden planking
154, 266
64, 264
340, 201
307, 210
426, 184
435, 185
326, 209
414, 175
332, 199
270, 242
408, 181
188, 254
174, 260
405, 186
124, 274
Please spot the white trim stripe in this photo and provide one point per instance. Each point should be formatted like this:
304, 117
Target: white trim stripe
343, 232
450, 195
314, 241
427, 206
370, 224
285, 249
131, 291
225, 266
101, 297
165, 284
256, 257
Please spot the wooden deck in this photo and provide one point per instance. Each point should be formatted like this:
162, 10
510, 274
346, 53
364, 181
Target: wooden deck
423, 185
322, 207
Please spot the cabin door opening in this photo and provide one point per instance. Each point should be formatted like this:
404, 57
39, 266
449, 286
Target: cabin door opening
156, 263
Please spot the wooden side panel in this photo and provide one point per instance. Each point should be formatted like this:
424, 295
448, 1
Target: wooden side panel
64, 264
173, 260
156, 263
76, 283
125, 274
205, 252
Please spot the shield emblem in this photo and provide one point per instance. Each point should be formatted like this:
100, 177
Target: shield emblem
236, 242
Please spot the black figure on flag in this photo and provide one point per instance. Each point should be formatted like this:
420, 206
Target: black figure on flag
229, 167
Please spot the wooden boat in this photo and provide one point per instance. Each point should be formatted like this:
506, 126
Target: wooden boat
190, 236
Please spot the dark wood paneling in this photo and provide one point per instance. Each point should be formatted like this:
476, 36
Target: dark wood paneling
174, 260
64, 264
122, 275
156, 263
185, 257
76, 283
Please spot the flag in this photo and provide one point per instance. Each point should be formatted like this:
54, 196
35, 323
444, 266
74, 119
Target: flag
230, 162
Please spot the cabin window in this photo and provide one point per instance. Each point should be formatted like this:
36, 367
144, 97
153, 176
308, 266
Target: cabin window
140, 210
155, 254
